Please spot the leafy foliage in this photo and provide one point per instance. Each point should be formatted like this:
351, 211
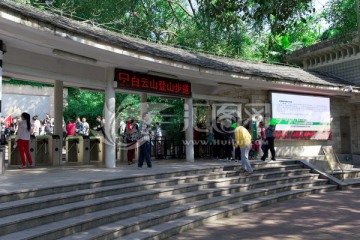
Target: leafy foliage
90, 104
277, 14
223, 27
342, 18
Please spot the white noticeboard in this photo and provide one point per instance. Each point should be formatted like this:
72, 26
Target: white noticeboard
301, 113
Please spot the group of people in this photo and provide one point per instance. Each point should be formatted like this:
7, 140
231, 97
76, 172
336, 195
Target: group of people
135, 132
79, 127
38, 126
227, 138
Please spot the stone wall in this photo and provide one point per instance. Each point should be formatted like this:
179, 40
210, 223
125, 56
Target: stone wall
34, 91
347, 70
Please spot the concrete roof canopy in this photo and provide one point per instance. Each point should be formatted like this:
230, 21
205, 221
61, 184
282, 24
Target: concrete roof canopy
201, 68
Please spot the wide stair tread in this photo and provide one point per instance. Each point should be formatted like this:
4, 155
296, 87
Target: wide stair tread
167, 229
78, 223
36, 203
37, 192
31, 204
178, 213
98, 204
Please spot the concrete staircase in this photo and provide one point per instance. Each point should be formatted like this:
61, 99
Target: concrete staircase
151, 206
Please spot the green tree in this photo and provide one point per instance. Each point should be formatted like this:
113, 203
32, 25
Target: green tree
342, 19
275, 14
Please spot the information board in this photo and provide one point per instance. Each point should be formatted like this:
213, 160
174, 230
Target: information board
301, 117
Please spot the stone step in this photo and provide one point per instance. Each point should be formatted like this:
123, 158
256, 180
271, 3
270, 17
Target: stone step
30, 193
181, 213
22, 221
32, 204
347, 174
172, 227
138, 210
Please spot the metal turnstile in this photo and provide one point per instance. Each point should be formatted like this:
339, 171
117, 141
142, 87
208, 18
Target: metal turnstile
2, 160
43, 150
78, 149
14, 154
97, 147
48, 150
121, 153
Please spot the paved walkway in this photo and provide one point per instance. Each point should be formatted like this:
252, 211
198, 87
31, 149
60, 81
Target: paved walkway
329, 216
42, 177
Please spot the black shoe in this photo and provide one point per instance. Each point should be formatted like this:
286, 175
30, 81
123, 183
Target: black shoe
263, 159
273, 159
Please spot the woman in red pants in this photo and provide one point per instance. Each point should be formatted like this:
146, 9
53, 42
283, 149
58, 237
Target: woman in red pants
23, 138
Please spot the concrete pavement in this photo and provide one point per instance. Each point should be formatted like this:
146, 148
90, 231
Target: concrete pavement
330, 216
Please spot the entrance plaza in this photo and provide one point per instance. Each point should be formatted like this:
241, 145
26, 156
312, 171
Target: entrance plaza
112, 200
64, 52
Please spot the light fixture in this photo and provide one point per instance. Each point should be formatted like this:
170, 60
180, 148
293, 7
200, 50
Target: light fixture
160, 74
229, 84
75, 57
91, 89
6, 78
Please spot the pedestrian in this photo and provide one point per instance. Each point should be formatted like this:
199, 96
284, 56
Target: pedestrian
262, 136
78, 126
217, 140
42, 127
229, 140
14, 127
3, 131
70, 128
48, 124
100, 127
237, 148
158, 136
270, 141
22, 140
243, 140
132, 133
36, 126
145, 132
86, 127
122, 126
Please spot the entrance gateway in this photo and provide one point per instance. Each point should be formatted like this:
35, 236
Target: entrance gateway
64, 52
160, 85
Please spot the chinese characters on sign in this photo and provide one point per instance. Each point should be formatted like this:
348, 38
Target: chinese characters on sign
149, 83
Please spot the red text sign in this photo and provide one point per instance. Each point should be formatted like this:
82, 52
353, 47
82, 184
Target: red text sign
154, 84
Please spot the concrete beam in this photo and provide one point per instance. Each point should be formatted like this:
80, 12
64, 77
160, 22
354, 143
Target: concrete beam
219, 98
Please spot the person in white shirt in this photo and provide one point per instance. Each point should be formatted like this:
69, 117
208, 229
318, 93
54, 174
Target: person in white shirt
36, 126
122, 127
86, 127
22, 139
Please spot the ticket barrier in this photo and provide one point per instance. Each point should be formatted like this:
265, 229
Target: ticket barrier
2, 160
97, 149
78, 149
14, 154
48, 150
121, 152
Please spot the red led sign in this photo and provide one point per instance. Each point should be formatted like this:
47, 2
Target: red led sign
148, 83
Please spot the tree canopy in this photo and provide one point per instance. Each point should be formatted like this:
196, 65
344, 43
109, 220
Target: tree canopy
341, 16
